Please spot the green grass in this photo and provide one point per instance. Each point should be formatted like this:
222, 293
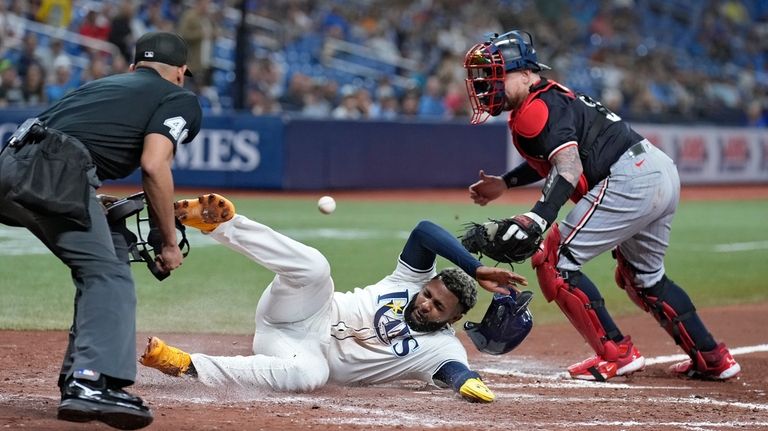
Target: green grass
217, 290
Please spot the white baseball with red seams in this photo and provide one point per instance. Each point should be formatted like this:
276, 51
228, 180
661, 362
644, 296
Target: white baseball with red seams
326, 204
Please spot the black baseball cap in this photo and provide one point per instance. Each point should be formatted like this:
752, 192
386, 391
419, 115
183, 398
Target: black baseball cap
162, 47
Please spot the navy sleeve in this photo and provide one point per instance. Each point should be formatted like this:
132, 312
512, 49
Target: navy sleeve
454, 374
428, 240
522, 175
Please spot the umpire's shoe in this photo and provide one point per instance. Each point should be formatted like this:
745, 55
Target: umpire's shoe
206, 213
85, 401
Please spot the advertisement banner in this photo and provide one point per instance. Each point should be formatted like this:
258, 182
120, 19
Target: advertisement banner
231, 151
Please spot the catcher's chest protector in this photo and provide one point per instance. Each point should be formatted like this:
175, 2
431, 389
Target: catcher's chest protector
529, 120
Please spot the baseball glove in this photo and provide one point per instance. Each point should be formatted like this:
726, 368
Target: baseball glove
486, 239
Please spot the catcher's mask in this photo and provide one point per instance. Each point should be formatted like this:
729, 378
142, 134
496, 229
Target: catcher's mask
487, 64
504, 326
120, 210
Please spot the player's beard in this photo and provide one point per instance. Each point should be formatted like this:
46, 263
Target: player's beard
416, 324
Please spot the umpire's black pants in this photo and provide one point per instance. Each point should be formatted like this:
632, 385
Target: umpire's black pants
103, 333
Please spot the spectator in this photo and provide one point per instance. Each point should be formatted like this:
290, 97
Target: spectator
119, 65
261, 103
409, 105
62, 83
293, 98
199, 30
33, 86
455, 101
431, 102
120, 32
151, 15
11, 93
315, 103
349, 108
56, 13
52, 54
95, 25
365, 103
756, 115
268, 75
11, 26
388, 107
28, 55
97, 68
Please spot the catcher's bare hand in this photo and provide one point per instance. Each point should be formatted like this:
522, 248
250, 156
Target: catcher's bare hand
488, 188
499, 280
170, 257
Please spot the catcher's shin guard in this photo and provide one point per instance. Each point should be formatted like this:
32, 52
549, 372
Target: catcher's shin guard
574, 303
654, 299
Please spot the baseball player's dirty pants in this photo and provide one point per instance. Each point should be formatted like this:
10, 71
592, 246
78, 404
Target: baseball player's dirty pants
103, 333
632, 209
292, 333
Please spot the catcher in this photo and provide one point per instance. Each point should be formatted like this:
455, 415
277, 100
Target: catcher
398, 328
626, 192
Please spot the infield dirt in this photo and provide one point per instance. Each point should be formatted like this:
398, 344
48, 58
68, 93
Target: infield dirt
531, 388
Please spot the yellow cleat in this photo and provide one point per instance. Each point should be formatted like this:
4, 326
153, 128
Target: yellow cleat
169, 360
475, 390
206, 213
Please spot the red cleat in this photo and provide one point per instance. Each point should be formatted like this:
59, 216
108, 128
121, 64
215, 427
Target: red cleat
720, 365
599, 369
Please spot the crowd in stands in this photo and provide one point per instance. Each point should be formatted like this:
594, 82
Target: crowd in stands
668, 61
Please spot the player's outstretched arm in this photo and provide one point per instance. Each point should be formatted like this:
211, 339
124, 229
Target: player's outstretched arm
428, 240
499, 280
465, 382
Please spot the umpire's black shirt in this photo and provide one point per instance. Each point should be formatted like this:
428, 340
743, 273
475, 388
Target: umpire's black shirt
112, 115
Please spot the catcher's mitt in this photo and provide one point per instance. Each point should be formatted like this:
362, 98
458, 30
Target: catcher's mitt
486, 239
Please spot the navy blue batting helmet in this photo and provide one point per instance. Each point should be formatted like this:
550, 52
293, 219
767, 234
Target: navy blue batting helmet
505, 325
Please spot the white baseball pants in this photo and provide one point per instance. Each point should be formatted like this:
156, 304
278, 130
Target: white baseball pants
292, 333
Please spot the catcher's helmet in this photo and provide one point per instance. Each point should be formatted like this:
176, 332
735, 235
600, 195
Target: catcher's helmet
504, 326
487, 63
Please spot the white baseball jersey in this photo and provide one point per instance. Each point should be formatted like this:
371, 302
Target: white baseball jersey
307, 334
370, 341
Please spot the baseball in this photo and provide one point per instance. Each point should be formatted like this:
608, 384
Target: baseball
326, 204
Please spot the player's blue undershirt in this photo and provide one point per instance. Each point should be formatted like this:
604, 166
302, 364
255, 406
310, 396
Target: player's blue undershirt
426, 242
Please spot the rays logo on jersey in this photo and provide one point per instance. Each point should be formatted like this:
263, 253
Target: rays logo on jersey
389, 323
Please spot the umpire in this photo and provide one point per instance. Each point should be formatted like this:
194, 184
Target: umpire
49, 173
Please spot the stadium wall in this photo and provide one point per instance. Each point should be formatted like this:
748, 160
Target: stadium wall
243, 151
